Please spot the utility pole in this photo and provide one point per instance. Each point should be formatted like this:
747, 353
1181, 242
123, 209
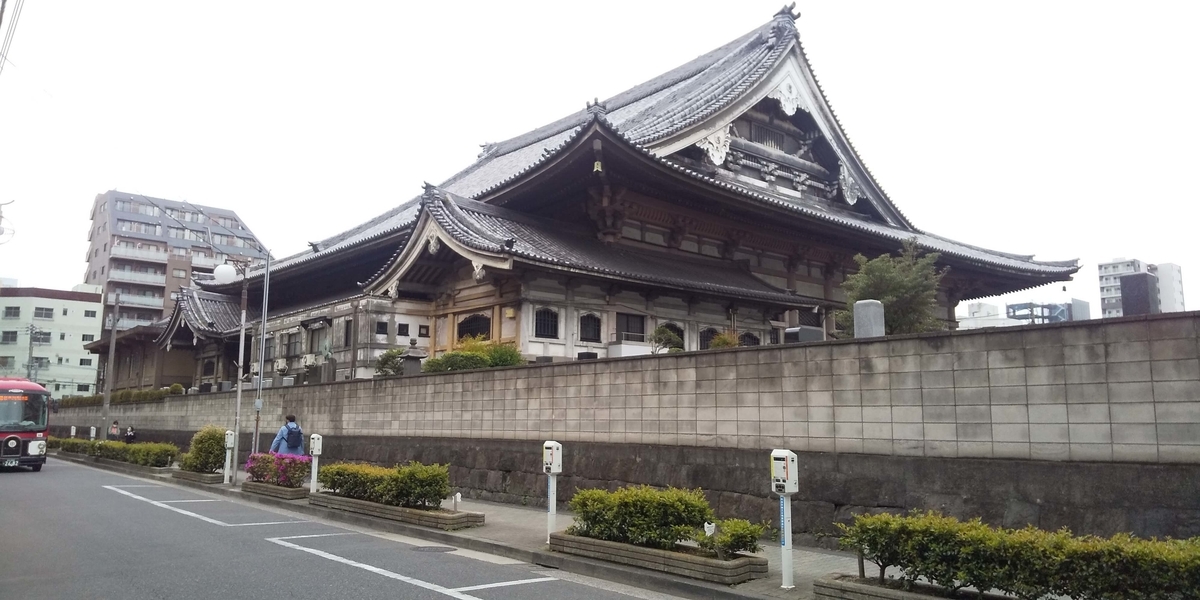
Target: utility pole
110, 370
32, 329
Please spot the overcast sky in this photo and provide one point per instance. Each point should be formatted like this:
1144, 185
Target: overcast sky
1061, 129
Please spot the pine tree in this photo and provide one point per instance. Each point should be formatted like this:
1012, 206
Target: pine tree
907, 286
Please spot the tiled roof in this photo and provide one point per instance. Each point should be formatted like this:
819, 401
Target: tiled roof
206, 314
657, 109
549, 244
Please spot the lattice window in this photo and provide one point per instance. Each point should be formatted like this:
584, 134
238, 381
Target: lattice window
766, 136
774, 336
589, 328
706, 337
475, 325
545, 323
748, 339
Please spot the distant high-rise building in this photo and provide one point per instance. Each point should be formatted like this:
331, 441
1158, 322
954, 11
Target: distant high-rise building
1167, 279
145, 249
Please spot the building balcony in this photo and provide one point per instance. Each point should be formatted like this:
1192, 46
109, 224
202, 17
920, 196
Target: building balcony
136, 254
205, 262
135, 277
131, 300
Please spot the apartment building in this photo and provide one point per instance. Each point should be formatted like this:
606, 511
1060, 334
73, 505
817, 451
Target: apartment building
43, 333
1166, 277
145, 249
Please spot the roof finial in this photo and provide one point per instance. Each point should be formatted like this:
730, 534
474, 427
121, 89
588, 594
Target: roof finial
597, 108
789, 11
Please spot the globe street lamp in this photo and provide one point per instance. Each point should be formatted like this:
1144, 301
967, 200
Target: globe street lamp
226, 274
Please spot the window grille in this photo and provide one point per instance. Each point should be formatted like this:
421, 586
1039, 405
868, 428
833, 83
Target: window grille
766, 136
748, 339
545, 323
589, 328
706, 337
475, 325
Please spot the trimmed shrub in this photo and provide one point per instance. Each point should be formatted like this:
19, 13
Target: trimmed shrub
151, 454
285, 470
53, 443
389, 364
733, 535
413, 485
455, 361
723, 340
1026, 563
112, 450
498, 354
176, 389
640, 515
93, 400
77, 446
206, 454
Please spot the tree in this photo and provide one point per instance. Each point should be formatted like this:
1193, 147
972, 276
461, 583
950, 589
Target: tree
907, 286
390, 363
664, 339
725, 339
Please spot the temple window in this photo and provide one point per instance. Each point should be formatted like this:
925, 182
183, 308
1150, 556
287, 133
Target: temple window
589, 328
545, 323
475, 325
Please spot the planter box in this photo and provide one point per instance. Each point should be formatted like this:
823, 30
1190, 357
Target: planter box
132, 468
849, 587
727, 572
274, 491
440, 519
198, 477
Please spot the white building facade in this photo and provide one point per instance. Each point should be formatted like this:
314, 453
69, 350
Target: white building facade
42, 337
1169, 277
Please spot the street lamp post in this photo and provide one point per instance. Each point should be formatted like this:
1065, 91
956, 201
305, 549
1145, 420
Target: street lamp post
262, 351
224, 274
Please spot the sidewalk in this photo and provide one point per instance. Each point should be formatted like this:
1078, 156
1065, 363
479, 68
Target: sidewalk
519, 532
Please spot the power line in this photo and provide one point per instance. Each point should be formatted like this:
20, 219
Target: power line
9, 34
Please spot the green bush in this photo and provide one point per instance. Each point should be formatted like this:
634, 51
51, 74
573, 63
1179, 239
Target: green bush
498, 354
77, 401
112, 450
176, 389
1026, 563
53, 443
723, 340
287, 470
206, 454
78, 446
733, 535
640, 515
390, 364
151, 454
412, 485
455, 361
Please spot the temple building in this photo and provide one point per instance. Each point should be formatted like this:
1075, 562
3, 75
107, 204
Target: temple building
721, 196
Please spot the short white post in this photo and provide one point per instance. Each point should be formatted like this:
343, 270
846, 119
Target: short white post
551, 504
72, 431
314, 448
785, 538
229, 464
92, 434
552, 465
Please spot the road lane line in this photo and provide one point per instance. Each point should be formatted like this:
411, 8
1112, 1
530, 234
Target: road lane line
178, 501
267, 523
190, 513
134, 485
315, 535
503, 584
166, 506
378, 571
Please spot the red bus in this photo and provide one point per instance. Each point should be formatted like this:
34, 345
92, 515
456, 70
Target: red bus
24, 423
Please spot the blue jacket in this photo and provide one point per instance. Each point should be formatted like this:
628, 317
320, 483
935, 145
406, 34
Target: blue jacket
280, 444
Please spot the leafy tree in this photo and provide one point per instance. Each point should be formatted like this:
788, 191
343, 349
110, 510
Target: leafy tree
390, 363
906, 285
664, 339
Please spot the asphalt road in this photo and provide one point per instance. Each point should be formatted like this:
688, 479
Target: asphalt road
71, 531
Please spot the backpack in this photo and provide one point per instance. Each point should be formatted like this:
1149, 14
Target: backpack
295, 437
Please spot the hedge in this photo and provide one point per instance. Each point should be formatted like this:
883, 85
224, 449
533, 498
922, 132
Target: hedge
148, 454
53, 443
122, 397
413, 485
206, 454
285, 470
475, 353
1026, 563
645, 516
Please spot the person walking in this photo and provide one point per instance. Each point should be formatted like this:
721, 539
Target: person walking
290, 439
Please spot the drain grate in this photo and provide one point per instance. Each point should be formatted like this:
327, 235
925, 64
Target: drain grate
432, 549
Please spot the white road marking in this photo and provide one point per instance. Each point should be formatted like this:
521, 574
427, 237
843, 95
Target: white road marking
315, 535
503, 584
188, 512
134, 485
378, 571
178, 501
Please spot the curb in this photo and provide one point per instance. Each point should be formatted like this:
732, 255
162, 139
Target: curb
648, 580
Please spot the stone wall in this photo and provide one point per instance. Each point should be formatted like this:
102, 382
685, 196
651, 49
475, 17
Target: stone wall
1115, 390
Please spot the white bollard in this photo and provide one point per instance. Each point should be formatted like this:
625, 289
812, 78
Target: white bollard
315, 441
552, 503
552, 465
72, 432
92, 434
230, 465
312, 485
785, 538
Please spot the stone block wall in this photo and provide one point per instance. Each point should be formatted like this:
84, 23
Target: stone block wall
1124, 390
